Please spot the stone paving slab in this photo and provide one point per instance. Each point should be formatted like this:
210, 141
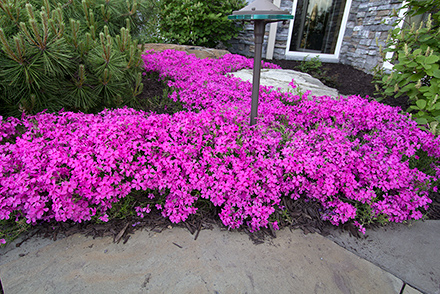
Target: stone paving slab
410, 290
173, 262
408, 252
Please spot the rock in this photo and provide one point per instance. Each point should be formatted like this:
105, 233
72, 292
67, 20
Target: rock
199, 52
280, 78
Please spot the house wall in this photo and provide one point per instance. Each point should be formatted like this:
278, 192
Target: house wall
366, 22
244, 43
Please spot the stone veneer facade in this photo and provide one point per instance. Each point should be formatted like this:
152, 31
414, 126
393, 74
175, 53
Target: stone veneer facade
367, 21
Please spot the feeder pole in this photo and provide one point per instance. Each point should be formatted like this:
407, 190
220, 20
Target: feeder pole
259, 36
260, 12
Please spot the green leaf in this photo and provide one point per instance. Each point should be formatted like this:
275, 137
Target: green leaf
421, 59
408, 87
421, 103
424, 89
416, 77
421, 120
417, 51
427, 66
428, 94
431, 59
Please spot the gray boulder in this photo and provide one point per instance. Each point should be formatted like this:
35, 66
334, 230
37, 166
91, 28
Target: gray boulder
280, 78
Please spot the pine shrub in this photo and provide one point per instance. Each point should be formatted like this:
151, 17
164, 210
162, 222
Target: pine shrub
76, 55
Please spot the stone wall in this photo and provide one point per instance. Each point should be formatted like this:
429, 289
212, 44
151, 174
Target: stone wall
366, 22
244, 43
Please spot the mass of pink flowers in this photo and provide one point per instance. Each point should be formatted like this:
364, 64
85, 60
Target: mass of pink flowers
345, 153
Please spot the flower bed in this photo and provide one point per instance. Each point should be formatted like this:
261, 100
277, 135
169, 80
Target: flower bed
351, 155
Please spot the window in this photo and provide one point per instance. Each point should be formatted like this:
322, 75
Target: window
318, 28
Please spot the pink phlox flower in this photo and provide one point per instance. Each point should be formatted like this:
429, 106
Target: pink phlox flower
292, 84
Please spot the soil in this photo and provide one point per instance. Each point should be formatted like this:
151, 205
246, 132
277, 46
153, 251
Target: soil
304, 215
346, 79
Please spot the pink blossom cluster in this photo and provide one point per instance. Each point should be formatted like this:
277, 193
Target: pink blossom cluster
346, 153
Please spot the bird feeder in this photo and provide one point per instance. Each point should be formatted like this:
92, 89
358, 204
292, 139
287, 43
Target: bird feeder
261, 12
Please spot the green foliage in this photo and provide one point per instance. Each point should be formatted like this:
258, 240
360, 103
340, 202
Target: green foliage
423, 162
77, 55
365, 213
312, 65
419, 7
122, 209
416, 60
295, 91
200, 23
11, 228
281, 214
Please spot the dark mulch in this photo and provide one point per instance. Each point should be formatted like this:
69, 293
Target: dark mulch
154, 96
304, 215
346, 79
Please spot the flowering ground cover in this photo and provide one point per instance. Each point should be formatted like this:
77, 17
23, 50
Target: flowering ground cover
357, 158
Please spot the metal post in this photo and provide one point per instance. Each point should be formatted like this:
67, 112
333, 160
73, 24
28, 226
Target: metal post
261, 12
259, 36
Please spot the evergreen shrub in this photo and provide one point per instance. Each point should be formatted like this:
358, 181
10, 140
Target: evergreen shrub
199, 23
76, 55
